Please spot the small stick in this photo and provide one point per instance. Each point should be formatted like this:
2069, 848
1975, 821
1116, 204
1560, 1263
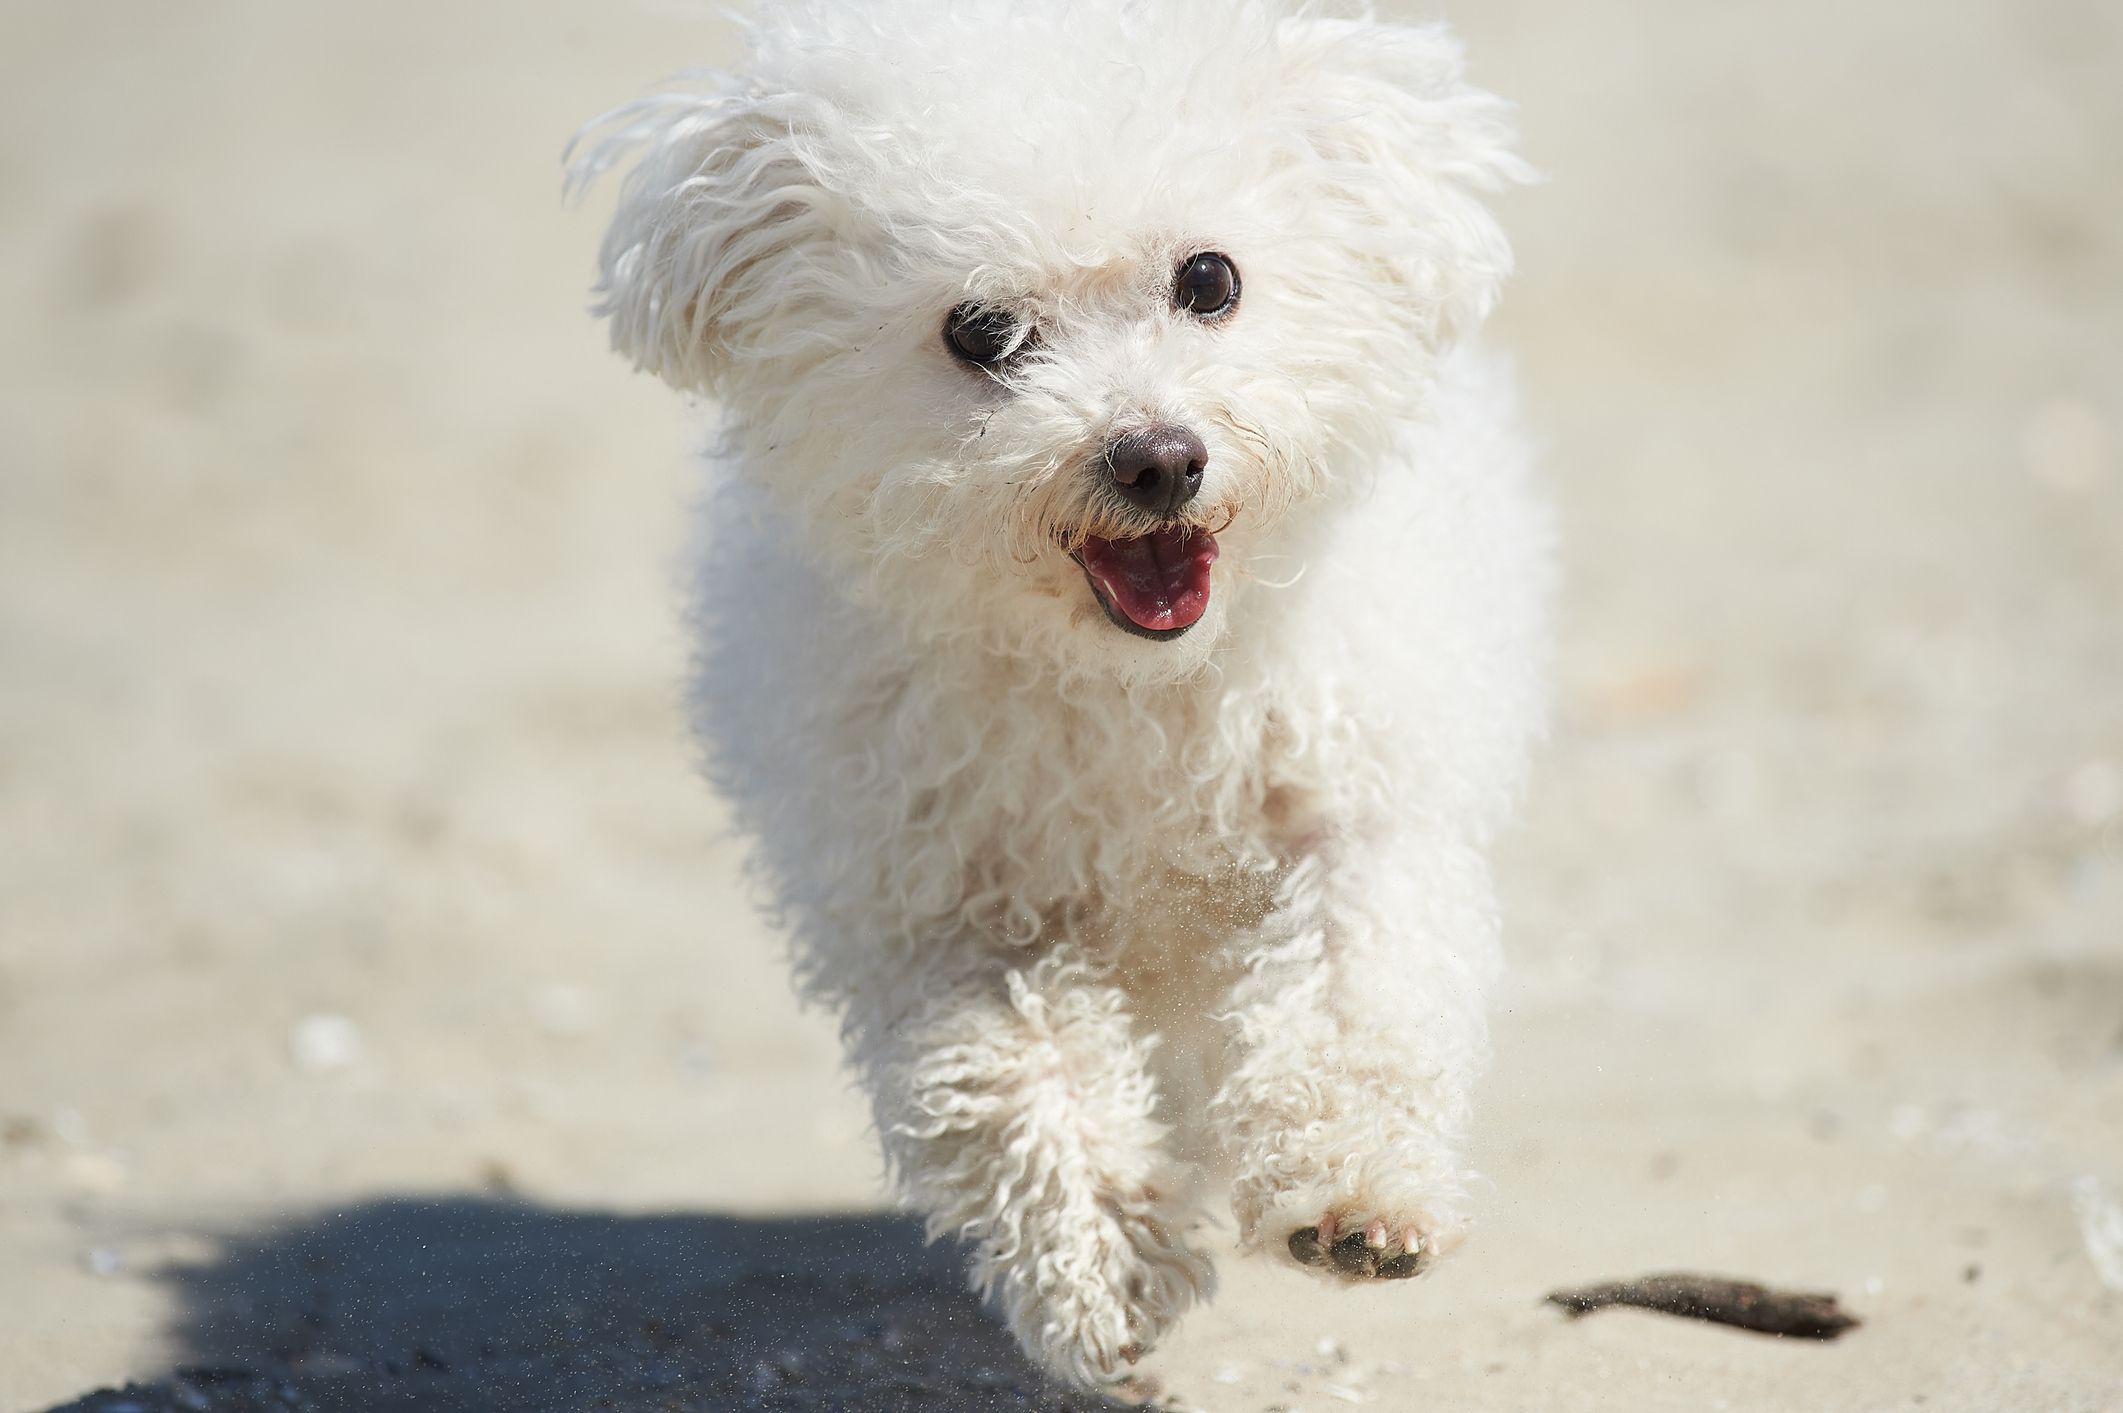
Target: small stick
1741, 1304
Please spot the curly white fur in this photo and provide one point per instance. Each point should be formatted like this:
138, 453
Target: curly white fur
1104, 915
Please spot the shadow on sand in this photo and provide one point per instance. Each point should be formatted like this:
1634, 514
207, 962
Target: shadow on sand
484, 1306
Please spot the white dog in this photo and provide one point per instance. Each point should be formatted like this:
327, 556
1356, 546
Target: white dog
1121, 609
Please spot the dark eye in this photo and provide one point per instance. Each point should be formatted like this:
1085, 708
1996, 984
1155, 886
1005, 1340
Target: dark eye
981, 335
1207, 285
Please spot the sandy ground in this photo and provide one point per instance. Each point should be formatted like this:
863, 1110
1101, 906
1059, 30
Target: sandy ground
382, 1023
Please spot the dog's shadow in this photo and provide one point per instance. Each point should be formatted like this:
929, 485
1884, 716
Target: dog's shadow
489, 1306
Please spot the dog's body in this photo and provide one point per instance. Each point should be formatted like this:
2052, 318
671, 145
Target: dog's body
1122, 870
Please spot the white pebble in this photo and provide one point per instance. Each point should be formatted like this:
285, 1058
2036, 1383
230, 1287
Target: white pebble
2101, 1229
324, 1042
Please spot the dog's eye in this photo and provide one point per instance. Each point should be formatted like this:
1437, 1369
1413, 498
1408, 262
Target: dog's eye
1207, 285
981, 335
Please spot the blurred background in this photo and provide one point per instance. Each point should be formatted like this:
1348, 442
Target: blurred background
358, 901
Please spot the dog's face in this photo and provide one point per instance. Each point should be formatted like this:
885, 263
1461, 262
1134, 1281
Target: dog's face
1049, 319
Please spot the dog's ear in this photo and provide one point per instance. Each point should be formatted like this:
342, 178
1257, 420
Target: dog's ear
1409, 147
695, 273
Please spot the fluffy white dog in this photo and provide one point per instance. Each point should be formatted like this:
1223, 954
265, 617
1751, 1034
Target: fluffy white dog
1120, 618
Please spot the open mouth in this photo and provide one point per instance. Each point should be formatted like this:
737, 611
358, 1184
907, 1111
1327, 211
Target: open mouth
1154, 585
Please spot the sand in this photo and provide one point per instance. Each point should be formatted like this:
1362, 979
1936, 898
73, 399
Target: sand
383, 1024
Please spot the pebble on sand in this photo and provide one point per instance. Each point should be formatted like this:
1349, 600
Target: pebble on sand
324, 1042
2101, 1228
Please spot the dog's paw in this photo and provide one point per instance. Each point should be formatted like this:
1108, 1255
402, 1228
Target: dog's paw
1087, 1299
1359, 1249
1375, 1208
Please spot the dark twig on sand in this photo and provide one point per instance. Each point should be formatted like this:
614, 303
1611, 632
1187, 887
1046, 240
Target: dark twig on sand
1741, 1304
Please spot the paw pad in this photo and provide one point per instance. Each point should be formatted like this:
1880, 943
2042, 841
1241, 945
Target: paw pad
1367, 1253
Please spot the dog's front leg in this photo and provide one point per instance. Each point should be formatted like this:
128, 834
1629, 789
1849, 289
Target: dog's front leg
1016, 1112
1357, 1032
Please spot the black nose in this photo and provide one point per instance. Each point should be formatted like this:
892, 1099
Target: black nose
1158, 468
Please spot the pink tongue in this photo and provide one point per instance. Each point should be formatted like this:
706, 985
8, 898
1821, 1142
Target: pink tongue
1159, 580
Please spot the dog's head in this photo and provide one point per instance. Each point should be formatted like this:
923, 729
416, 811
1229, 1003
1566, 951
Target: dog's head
1048, 317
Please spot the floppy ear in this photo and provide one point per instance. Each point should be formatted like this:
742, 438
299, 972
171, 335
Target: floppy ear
1409, 146
701, 265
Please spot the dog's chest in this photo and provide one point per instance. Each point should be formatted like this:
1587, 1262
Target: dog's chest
1099, 807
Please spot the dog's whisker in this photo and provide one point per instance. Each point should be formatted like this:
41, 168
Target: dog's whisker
1267, 583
